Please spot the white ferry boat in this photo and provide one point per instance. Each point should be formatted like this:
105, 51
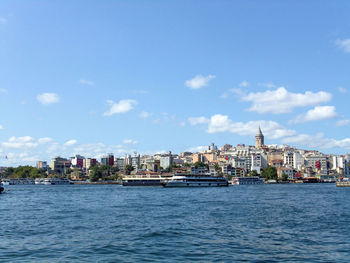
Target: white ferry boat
20, 181
188, 180
143, 180
52, 181
247, 180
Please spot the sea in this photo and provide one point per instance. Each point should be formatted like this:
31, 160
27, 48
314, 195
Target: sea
112, 223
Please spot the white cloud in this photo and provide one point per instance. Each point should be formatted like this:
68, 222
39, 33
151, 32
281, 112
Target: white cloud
244, 84
86, 82
129, 141
144, 114
318, 141
122, 106
222, 123
198, 120
140, 91
238, 92
316, 114
342, 90
343, 44
341, 123
44, 140
182, 124
20, 142
269, 85
1, 127
70, 142
198, 81
282, 101
196, 149
2, 90
48, 98
3, 20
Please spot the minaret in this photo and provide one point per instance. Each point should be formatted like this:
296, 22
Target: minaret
259, 139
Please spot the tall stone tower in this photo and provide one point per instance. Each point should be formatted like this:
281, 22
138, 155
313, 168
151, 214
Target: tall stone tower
259, 139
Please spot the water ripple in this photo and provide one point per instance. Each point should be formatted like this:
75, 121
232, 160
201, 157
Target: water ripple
109, 223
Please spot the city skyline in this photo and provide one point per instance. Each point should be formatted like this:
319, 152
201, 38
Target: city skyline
152, 77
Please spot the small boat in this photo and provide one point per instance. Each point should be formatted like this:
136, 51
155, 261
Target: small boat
53, 181
189, 180
1, 186
345, 182
247, 180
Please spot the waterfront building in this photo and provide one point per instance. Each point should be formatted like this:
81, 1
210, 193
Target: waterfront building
340, 164
166, 160
60, 165
197, 157
317, 162
226, 147
199, 170
292, 159
41, 165
135, 161
258, 162
119, 163
187, 157
127, 160
286, 170
104, 160
212, 147
108, 160
226, 169
77, 161
213, 171
90, 162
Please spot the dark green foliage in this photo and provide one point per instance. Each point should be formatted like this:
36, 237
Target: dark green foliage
24, 172
269, 173
253, 173
284, 177
103, 172
201, 164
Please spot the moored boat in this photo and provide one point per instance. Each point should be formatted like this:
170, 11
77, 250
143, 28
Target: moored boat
1, 186
188, 180
345, 182
52, 181
142, 180
247, 180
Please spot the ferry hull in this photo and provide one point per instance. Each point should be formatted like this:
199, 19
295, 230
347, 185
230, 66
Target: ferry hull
142, 183
194, 184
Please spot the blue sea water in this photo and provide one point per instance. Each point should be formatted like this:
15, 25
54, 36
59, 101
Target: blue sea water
110, 223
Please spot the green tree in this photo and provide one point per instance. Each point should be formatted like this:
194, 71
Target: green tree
284, 177
201, 164
95, 174
269, 173
228, 176
68, 171
253, 173
128, 168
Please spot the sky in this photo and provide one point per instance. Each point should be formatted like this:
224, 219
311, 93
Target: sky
94, 77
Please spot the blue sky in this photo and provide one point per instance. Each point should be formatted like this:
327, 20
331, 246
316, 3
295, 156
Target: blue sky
94, 77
